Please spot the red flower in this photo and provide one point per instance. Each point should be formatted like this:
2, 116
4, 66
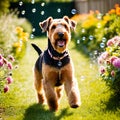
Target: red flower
6, 88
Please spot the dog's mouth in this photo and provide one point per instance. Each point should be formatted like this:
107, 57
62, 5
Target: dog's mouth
61, 42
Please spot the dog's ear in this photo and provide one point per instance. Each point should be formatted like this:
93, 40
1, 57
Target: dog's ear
45, 24
72, 23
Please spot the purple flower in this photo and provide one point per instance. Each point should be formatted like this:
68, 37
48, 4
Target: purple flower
6, 88
113, 58
9, 79
116, 63
102, 70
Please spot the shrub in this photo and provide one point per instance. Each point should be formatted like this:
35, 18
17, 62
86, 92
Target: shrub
94, 29
109, 62
8, 35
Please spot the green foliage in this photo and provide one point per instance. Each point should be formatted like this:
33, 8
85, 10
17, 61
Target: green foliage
8, 23
4, 6
109, 62
94, 29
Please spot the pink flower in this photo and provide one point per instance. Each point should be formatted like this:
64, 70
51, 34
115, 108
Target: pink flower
9, 79
0, 56
113, 58
5, 61
102, 70
1, 62
6, 88
113, 73
11, 58
100, 60
116, 63
110, 42
105, 55
9, 65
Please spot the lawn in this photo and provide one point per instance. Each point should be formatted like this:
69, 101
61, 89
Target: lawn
20, 102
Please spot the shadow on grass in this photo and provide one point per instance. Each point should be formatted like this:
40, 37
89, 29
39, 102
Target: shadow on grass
114, 103
38, 112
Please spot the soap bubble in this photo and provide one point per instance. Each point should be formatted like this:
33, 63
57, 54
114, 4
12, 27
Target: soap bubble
104, 39
42, 4
102, 45
20, 3
78, 41
32, 36
99, 25
83, 38
33, 30
34, 10
42, 12
73, 11
23, 12
83, 30
32, 1
58, 10
91, 37
82, 78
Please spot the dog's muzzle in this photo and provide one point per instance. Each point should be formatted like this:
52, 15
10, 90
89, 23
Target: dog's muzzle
61, 41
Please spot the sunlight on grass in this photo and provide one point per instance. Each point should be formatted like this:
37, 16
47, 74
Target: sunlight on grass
20, 102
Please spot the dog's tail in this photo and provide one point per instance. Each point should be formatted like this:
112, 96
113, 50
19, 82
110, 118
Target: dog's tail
39, 51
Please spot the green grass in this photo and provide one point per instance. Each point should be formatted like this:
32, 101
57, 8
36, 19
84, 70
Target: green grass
20, 102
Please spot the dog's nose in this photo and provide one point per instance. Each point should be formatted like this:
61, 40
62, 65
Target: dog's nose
60, 34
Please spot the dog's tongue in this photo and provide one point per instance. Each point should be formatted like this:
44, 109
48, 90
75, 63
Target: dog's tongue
61, 43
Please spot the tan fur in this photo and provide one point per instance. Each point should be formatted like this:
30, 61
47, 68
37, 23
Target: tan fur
45, 81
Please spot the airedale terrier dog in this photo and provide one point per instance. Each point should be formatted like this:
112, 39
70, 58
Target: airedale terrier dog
54, 70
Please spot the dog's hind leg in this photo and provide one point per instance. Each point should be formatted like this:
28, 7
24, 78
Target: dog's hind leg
39, 86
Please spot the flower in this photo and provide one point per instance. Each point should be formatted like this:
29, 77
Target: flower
113, 73
1, 62
110, 42
102, 69
109, 62
116, 63
9, 65
6, 88
9, 79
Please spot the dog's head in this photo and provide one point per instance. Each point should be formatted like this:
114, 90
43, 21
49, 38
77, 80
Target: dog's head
58, 31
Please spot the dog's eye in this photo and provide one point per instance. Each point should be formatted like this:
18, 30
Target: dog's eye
53, 27
65, 26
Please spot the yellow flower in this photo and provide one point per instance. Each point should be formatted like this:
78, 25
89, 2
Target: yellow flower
106, 18
112, 11
19, 29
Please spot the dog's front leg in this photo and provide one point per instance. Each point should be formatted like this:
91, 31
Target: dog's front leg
71, 88
51, 96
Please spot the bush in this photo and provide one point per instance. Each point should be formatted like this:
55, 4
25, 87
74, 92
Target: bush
109, 62
4, 6
94, 29
8, 23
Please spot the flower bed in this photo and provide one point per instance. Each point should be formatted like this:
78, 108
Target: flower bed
95, 29
109, 62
